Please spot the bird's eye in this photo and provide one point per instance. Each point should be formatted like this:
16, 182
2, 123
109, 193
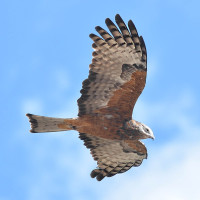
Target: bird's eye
147, 130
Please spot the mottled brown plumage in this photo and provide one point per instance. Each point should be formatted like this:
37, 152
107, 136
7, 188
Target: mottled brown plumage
116, 79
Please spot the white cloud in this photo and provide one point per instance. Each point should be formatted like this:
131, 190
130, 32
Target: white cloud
32, 106
168, 111
61, 78
153, 65
172, 171
68, 111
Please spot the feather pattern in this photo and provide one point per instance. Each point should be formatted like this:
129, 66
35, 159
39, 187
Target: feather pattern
116, 79
113, 156
108, 80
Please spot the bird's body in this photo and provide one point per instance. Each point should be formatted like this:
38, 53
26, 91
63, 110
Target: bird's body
116, 79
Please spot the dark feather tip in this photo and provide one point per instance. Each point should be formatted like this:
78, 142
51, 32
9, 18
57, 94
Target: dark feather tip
100, 177
118, 18
28, 115
98, 28
108, 22
94, 173
92, 35
33, 122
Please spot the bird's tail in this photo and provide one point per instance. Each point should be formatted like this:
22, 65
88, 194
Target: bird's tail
41, 124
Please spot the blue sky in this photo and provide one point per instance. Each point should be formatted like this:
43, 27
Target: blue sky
45, 54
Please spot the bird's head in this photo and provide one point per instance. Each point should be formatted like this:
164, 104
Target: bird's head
139, 128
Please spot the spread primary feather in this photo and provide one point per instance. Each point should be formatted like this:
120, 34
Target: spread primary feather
117, 77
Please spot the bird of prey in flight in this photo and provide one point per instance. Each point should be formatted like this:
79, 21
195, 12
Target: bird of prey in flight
116, 79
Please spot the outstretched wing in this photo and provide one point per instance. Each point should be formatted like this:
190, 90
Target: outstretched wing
113, 156
118, 71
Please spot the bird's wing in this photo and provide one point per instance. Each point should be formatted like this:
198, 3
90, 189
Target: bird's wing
117, 74
113, 156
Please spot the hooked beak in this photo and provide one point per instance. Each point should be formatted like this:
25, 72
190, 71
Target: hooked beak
152, 137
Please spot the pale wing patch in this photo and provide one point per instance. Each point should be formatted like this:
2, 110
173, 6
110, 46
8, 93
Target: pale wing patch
107, 72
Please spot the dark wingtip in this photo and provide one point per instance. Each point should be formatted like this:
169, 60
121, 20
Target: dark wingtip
98, 174
130, 23
108, 21
99, 177
94, 173
118, 17
91, 35
98, 28
28, 114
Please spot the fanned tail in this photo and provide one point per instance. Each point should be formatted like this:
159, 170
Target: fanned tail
41, 124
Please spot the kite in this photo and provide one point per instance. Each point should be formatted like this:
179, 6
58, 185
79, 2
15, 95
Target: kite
117, 77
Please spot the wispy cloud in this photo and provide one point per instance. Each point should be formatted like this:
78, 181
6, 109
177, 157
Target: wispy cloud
32, 106
169, 173
172, 171
61, 78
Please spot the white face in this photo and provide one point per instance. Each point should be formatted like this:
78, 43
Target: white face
147, 131
144, 129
